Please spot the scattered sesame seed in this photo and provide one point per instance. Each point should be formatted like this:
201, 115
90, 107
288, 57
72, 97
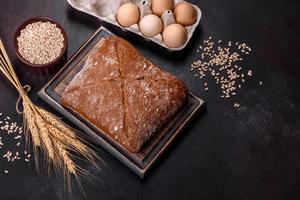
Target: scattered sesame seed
6, 171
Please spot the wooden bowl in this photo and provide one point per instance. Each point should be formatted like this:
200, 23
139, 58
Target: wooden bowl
53, 64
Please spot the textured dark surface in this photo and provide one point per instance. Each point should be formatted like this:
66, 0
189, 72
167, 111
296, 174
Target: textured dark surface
249, 153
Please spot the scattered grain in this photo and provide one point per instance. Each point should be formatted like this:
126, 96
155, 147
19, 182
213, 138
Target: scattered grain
249, 72
236, 105
11, 131
222, 63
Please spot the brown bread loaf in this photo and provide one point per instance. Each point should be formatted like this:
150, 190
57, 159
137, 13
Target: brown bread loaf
124, 94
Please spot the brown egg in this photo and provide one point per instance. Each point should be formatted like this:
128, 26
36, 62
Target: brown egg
159, 6
151, 25
128, 14
185, 14
174, 35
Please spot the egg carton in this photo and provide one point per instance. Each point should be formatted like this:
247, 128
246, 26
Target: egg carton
107, 12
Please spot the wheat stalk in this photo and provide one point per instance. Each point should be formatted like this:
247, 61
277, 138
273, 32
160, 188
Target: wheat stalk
47, 132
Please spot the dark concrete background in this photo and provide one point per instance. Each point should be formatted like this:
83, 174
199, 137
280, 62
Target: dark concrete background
249, 153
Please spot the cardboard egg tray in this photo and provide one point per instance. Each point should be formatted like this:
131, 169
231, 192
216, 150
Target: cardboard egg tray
110, 16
